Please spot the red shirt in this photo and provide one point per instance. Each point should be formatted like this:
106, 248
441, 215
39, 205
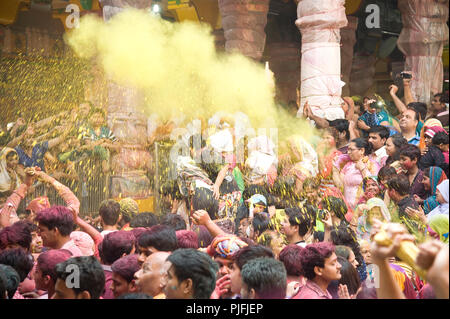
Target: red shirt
107, 294
312, 291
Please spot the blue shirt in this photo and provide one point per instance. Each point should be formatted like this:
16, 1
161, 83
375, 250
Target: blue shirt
374, 119
415, 140
37, 155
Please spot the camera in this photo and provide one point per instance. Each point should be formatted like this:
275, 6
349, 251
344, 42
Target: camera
405, 75
376, 105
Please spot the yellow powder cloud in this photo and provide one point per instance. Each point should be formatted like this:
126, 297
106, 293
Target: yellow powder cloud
178, 69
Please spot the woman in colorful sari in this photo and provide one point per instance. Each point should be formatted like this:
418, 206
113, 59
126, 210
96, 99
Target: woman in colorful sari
432, 177
327, 152
371, 189
9, 177
349, 170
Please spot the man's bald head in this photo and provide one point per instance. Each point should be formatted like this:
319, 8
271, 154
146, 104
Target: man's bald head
148, 278
158, 257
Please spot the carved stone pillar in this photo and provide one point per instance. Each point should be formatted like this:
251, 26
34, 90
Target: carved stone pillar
348, 40
362, 75
243, 22
284, 60
131, 164
8, 42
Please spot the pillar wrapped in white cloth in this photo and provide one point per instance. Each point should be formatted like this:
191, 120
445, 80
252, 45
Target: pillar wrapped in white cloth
319, 22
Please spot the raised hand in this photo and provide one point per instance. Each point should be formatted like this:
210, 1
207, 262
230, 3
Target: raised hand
223, 285
416, 214
272, 211
29, 176
428, 252
393, 89
397, 233
42, 176
328, 221
306, 110
343, 292
348, 100
216, 192
407, 82
201, 217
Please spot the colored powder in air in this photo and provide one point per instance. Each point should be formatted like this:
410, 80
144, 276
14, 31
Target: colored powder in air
177, 68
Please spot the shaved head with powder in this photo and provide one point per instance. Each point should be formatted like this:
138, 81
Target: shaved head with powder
148, 278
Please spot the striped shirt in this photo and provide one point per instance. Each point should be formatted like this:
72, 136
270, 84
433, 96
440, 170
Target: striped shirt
415, 140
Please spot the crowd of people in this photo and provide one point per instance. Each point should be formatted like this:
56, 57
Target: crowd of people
298, 220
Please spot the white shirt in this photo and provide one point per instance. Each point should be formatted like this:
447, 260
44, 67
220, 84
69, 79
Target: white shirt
441, 209
106, 232
301, 244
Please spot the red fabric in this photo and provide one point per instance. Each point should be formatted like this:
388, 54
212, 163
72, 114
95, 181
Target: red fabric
335, 192
108, 294
328, 163
97, 241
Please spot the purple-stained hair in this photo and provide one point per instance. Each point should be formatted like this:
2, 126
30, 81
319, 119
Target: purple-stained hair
204, 237
57, 217
18, 233
126, 267
137, 232
48, 260
314, 255
290, 256
187, 239
115, 244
